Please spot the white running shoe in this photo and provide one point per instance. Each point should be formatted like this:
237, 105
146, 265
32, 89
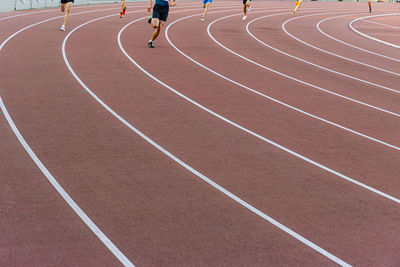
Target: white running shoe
62, 28
244, 17
202, 19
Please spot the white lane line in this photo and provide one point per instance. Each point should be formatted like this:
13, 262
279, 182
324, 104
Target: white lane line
92, 226
257, 135
55, 9
266, 96
298, 80
382, 24
183, 164
50, 19
331, 53
353, 46
316, 65
370, 37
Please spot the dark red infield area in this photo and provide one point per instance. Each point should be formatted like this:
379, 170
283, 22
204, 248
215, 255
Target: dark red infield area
269, 141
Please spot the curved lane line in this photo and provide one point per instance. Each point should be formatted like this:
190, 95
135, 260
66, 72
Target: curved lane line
81, 214
271, 98
382, 24
370, 37
298, 80
253, 133
50, 19
353, 46
55, 9
331, 53
257, 135
314, 64
180, 162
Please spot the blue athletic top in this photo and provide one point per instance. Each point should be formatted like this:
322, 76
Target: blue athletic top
162, 2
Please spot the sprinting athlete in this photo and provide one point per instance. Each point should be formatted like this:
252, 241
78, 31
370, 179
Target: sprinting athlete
206, 5
123, 9
246, 7
159, 17
66, 5
370, 6
298, 3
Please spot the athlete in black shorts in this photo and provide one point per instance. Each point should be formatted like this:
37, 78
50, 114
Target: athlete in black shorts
66, 5
159, 17
246, 7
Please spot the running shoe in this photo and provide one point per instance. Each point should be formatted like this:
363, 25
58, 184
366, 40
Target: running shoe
202, 19
150, 44
121, 15
370, 9
244, 17
62, 28
123, 11
149, 20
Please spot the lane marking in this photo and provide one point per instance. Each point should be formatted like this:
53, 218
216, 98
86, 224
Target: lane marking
348, 44
92, 226
81, 214
183, 164
302, 82
314, 64
253, 133
269, 97
103, 238
331, 53
55, 9
370, 37
386, 25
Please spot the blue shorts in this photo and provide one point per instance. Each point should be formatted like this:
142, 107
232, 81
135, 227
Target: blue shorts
207, 1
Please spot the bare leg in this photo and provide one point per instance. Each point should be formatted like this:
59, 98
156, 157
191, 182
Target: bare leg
157, 30
123, 5
66, 17
298, 3
206, 9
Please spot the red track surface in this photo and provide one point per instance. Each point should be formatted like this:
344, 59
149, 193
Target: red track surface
157, 212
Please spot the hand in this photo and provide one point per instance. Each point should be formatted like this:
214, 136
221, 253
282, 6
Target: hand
149, 8
173, 3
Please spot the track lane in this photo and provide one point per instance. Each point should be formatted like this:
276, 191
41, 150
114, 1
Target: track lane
259, 116
140, 51
358, 59
157, 219
332, 27
167, 106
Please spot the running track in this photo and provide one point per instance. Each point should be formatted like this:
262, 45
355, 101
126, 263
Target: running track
270, 141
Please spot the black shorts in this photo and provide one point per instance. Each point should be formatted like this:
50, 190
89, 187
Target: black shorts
66, 1
160, 12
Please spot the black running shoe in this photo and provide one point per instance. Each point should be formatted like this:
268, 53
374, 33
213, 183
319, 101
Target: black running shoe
150, 44
149, 20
